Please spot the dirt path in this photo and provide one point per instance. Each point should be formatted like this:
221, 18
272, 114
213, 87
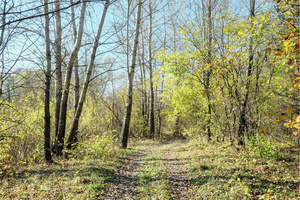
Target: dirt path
178, 172
174, 170
124, 182
155, 172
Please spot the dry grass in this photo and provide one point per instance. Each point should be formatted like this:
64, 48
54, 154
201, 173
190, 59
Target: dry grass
174, 170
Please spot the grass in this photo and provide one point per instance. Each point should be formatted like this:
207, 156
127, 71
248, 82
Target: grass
71, 179
153, 180
225, 172
212, 171
83, 176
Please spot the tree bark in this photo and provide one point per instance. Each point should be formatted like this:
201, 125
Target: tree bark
144, 88
59, 143
151, 106
160, 104
76, 84
142, 91
72, 139
209, 71
242, 119
58, 61
126, 121
2, 46
76, 66
47, 122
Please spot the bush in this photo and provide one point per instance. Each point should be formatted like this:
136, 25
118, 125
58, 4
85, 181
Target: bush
262, 147
97, 147
21, 124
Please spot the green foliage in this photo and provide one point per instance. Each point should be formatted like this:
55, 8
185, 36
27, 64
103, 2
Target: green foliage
97, 147
94, 119
287, 52
22, 124
271, 90
265, 149
95, 188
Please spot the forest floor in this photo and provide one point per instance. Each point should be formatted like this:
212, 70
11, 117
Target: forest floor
152, 170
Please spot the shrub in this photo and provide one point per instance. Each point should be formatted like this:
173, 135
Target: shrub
262, 147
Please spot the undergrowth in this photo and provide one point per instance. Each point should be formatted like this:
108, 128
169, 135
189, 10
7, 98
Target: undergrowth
261, 170
83, 176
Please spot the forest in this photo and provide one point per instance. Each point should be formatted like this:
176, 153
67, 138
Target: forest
148, 99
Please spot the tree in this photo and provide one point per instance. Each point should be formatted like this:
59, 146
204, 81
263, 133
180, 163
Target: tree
47, 123
151, 102
59, 142
288, 52
58, 64
209, 69
76, 72
242, 119
7, 33
72, 139
130, 75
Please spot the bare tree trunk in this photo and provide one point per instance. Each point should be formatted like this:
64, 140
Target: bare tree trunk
126, 121
209, 70
142, 90
160, 105
176, 130
59, 143
2, 46
114, 118
242, 119
76, 66
127, 34
162, 84
58, 61
151, 106
76, 85
144, 87
72, 139
47, 122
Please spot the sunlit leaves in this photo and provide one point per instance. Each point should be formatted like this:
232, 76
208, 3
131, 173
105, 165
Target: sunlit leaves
288, 50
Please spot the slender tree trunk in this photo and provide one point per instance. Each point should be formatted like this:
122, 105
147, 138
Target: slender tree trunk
162, 84
76, 84
72, 139
127, 34
126, 121
177, 131
58, 61
242, 119
114, 118
2, 46
209, 71
76, 66
143, 112
143, 83
144, 88
59, 143
151, 106
160, 105
47, 122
